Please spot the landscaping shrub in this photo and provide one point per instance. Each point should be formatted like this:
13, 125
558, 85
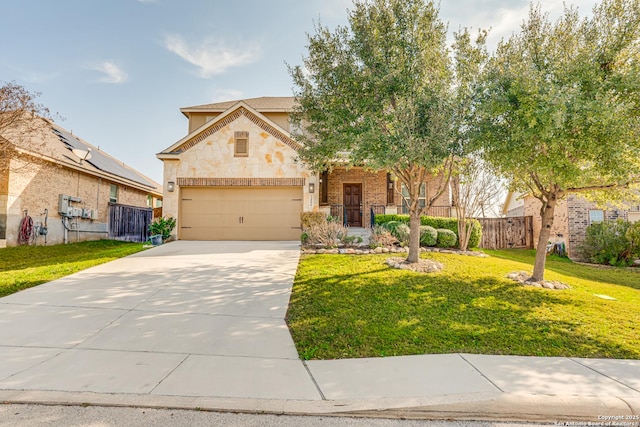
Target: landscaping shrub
611, 242
162, 226
391, 226
325, 233
428, 236
436, 222
380, 236
385, 218
307, 219
402, 232
446, 238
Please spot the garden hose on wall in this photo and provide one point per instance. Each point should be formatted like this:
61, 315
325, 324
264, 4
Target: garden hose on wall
26, 229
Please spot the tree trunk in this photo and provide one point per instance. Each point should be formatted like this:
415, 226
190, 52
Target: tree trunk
546, 213
463, 228
414, 235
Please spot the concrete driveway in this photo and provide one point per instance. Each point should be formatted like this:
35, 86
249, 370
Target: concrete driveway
186, 318
201, 325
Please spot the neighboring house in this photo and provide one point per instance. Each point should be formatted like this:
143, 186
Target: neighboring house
236, 176
513, 205
56, 178
572, 217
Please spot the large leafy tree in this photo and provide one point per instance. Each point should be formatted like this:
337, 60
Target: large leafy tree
380, 94
559, 110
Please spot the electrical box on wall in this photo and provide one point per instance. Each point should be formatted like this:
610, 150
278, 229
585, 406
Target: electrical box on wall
63, 204
66, 209
94, 214
86, 213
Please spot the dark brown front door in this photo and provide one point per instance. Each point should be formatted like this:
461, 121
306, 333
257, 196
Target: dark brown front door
353, 204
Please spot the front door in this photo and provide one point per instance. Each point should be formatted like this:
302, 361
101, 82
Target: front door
353, 204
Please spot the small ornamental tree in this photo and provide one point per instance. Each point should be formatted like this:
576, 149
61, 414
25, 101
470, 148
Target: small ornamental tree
21, 119
558, 110
380, 93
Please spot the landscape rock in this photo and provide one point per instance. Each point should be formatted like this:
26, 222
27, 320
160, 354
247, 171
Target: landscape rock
525, 279
422, 266
364, 250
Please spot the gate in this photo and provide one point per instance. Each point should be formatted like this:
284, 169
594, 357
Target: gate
507, 233
129, 223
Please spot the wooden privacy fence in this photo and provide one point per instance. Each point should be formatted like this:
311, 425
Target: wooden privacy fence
507, 233
129, 223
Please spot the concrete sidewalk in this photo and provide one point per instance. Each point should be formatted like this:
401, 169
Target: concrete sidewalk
201, 325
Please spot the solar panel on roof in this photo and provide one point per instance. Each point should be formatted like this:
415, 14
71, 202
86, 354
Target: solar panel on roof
101, 161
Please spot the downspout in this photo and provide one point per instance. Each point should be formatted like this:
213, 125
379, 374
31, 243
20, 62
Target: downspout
65, 235
98, 197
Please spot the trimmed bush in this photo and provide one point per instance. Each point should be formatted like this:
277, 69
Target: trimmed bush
385, 218
428, 236
437, 222
446, 238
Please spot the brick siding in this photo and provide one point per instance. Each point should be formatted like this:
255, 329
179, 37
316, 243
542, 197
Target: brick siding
571, 220
374, 189
35, 187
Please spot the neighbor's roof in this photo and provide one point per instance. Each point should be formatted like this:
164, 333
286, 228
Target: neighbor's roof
54, 143
262, 104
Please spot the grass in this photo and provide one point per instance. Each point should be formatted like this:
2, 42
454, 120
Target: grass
25, 266
356, 306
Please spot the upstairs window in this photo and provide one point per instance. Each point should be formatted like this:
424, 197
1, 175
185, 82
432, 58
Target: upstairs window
149, 200
113, 194
241, 144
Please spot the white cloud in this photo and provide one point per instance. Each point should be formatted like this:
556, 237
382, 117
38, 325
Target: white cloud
112, 73
212, 57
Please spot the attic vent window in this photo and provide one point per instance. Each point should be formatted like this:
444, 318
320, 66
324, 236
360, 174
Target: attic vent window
241, 144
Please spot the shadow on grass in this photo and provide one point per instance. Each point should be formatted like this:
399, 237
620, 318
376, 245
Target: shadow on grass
602, 274
356, 309
20, 257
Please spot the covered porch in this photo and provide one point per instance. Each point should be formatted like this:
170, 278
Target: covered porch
354, 196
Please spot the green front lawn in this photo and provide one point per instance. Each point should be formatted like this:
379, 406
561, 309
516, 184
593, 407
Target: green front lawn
355, 306
26, 266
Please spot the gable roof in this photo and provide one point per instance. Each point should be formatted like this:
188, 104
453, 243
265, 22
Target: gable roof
54, 143
236, 110
262, 104
512, 200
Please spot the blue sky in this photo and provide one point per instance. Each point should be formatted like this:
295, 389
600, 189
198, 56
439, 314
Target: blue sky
117, 71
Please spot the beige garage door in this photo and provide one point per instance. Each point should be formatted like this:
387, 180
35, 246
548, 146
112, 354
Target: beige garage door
222, 213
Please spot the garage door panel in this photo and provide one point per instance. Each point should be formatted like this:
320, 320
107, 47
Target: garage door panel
214, 213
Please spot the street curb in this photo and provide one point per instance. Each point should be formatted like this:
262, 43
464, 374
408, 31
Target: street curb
561, 410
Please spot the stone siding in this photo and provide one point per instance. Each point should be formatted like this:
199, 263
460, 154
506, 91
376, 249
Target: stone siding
214, 158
